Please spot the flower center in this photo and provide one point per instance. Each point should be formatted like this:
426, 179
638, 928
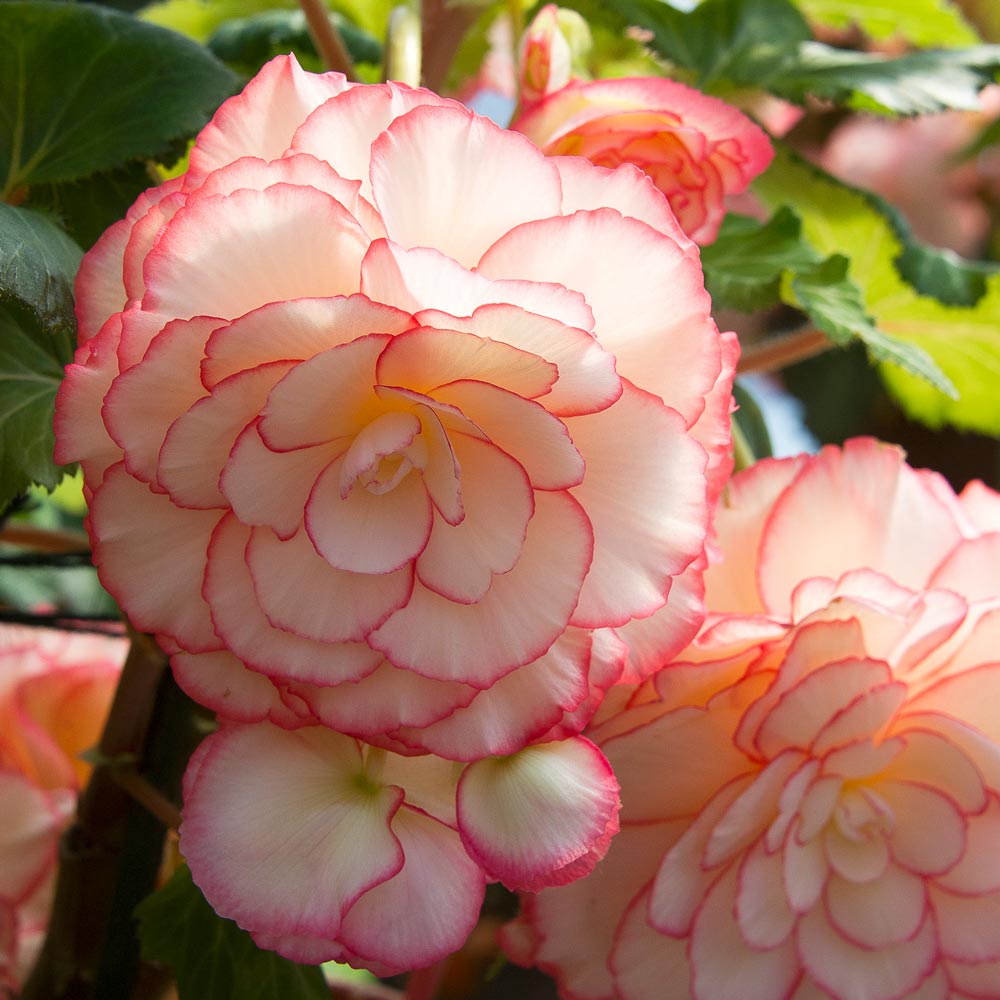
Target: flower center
383, 454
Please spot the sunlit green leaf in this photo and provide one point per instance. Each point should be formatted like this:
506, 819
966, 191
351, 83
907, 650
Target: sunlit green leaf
963, 341
834, 303
931, 23
212, 958
84, 89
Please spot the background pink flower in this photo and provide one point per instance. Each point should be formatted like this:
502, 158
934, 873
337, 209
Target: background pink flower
55, 690
697, 149
811, 792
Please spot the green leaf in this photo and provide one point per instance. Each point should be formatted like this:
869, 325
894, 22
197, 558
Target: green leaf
85, 89
37, 265
85, 208
212, 958
916, 83
31, 369
834, 304
750, 419
744, 266
943, 275
936, 23
963, 341
248, 42
737, 40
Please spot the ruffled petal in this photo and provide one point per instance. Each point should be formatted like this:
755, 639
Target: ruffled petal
140, 536
519, 618
644, 492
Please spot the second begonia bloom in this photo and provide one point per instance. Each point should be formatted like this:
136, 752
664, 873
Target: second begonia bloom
375, 438
697, 149
811, 791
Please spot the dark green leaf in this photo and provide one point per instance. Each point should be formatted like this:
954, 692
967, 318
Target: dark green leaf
742, 41
31, 368
85, 208
751, 421
38, 263
744, 266
213, 959
916, 83
248, 42
85, 89
834, 304
944, 275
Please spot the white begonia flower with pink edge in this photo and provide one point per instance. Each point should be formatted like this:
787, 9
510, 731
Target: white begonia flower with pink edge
55, 690
811, 791
395, 430
390, 422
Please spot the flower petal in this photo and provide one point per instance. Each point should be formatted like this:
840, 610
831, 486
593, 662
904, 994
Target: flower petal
129, 553
644, 492
306, 829
428, 909
433, 169
526, 816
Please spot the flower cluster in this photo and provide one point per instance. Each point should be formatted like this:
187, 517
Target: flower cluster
403, 476
55, 689
824, 815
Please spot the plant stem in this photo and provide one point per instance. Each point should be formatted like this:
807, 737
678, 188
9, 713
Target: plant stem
779, 352
326, 38
111, 855
403, 54
444, 27
743, 456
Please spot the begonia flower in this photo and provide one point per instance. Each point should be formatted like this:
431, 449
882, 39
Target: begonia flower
811, 791
697, 149
55, 690
377, 438
326, 848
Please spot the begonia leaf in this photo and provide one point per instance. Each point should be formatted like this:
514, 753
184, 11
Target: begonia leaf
963, 341
750, 419
113, 89
86, 207
211, 957
37, 265
741, 41
743, 268
915, 83
934, 23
